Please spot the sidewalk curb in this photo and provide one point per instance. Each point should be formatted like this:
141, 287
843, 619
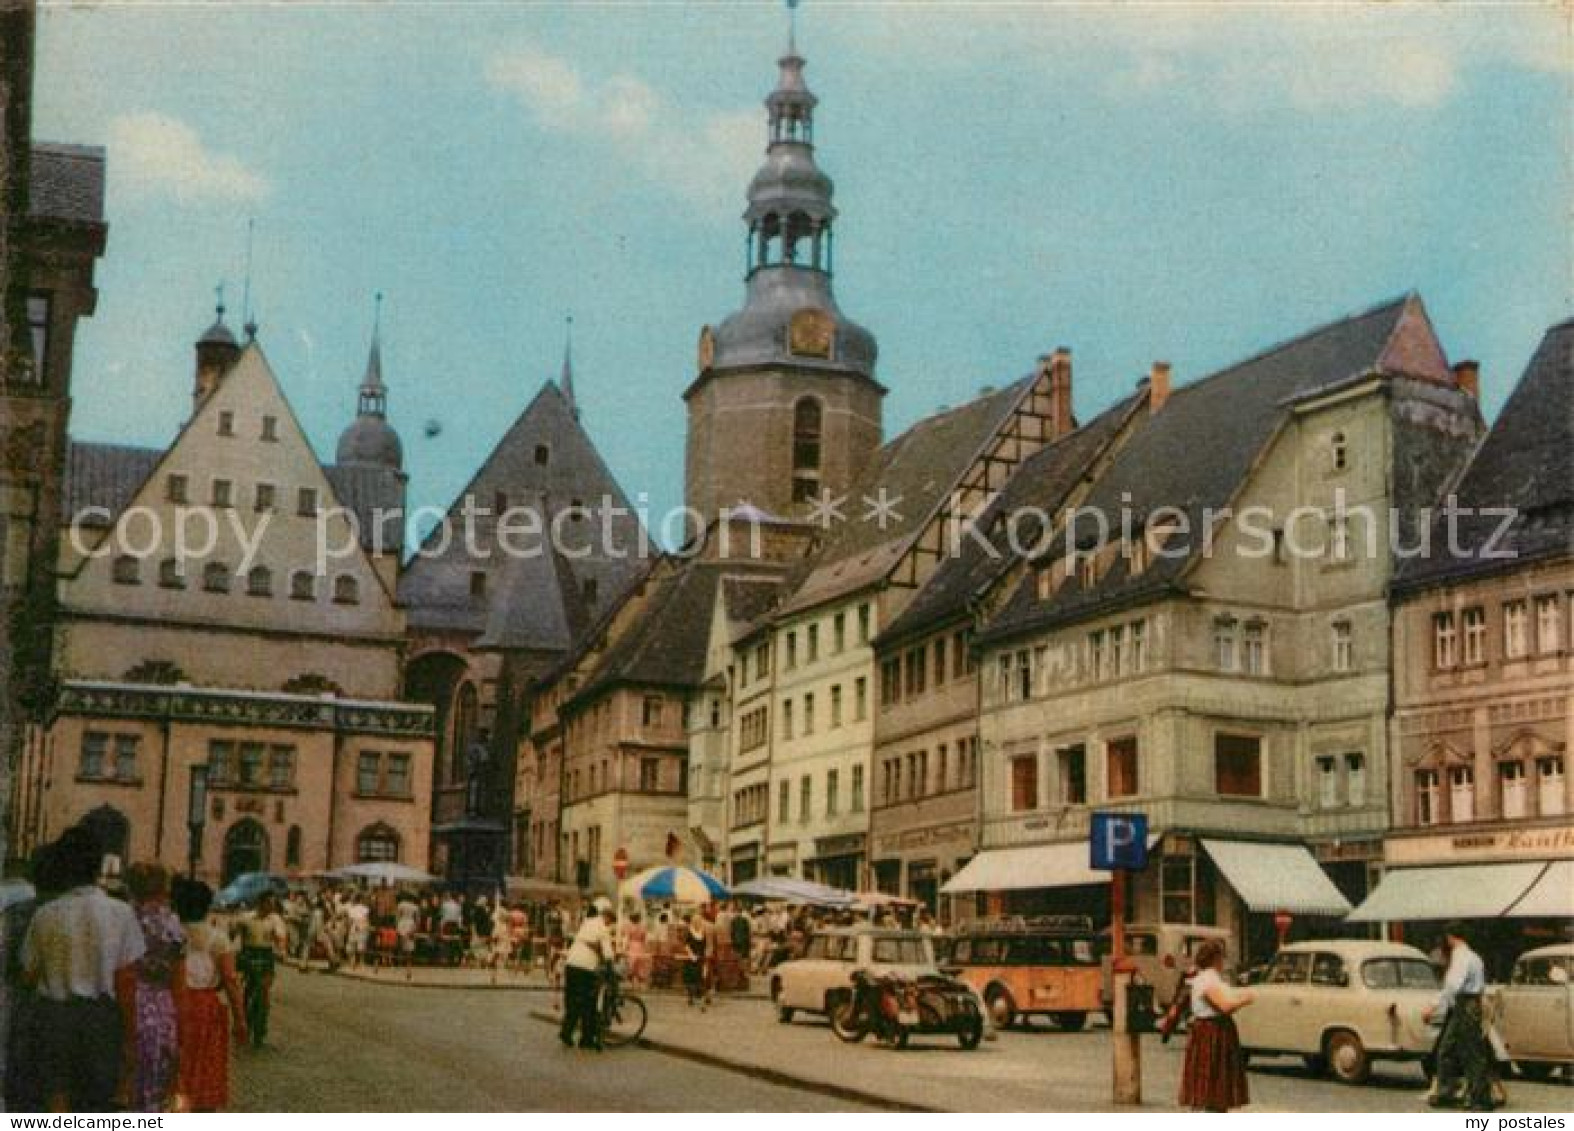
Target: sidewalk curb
771, 1075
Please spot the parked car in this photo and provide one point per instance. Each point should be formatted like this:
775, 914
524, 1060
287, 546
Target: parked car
1161, 953
1045, 967
248, 887
1342, 1004
823, 977
1536, 1011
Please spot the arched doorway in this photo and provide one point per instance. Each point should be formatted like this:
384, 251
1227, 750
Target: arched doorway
435, 678
245, 849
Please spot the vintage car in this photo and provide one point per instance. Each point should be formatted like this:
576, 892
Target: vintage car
823, 977
1031, 967
1341, 1004
1536, 1011
1160, 953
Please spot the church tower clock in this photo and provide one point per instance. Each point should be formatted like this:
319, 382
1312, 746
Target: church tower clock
785, 407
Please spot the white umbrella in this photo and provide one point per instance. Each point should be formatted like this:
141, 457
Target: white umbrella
385, 871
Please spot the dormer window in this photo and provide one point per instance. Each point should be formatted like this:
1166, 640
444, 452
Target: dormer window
346, 590
127, 571
170, 575
302, 586
259, 582
216, 577
1338, 452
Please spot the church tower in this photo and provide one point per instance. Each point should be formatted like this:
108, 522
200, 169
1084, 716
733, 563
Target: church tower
785, 407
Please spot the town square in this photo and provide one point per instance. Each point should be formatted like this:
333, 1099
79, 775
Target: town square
786, 557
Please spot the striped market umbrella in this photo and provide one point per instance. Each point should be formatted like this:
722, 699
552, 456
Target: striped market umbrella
677, 883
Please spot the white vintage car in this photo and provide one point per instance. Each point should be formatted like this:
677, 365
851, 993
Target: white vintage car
815, 982
1341, 1004
1536, 1011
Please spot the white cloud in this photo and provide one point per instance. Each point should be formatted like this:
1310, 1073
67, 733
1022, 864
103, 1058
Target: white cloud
156, 155
1243, 57
699, 156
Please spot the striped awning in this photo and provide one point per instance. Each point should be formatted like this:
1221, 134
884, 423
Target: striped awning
1277, 877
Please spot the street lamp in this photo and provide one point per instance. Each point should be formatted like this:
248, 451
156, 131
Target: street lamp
196, 815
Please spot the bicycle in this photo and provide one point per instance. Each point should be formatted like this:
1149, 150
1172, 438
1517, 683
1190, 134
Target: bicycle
622, 1016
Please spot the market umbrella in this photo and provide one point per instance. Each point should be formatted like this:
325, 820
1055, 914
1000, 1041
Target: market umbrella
384, 871
677, 883
788, 890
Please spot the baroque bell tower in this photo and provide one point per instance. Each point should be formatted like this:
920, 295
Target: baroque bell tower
785, 407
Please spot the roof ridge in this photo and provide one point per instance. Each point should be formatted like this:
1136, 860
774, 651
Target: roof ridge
1299, 339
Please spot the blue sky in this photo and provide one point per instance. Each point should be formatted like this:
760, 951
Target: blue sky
1188, 182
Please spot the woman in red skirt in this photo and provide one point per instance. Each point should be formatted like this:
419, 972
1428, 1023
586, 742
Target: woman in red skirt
1214, 1078
204, 1023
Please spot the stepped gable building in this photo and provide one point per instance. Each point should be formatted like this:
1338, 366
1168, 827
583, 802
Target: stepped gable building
1483, 717
537, 547
1223, 667
52, 232
785, 406
205, 637
924, 796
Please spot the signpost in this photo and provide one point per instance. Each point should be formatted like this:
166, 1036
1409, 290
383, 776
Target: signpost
1118, 843
620, 869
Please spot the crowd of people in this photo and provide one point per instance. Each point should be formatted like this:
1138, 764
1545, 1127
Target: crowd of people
118, 1002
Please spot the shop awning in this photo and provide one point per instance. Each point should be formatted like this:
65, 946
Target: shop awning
1449, 891
1550, 897
1039, 866
1277, 877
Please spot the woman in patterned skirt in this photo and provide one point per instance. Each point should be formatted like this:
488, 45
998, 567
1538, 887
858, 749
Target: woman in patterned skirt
1214, 1078
159, 976
204, 1024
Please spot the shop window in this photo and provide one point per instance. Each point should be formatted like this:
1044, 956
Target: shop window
376, 844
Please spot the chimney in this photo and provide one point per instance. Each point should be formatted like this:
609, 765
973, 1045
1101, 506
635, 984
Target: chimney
1158, 386
1467, 375
1058, 367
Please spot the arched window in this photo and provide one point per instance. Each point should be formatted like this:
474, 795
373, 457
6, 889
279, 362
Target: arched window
805, 449
303, 586
259, 582
376, 843
216, 577
292, 847
245, 849
128, 570
346, 591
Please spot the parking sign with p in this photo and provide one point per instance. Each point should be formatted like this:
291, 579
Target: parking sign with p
1118, 840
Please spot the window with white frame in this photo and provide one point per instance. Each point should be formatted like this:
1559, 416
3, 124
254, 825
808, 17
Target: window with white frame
1344, 658
1254, 653
1224, 645
1428, 798
1516, 625
1548, 623
1475, 635
1445, 641
1513, 792
1551, 800
1461, 794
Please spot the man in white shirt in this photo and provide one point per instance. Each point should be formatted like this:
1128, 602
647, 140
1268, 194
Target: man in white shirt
592, 946
80, 957
1463, 1055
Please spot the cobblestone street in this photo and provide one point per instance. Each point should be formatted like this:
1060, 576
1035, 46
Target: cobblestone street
341, 1044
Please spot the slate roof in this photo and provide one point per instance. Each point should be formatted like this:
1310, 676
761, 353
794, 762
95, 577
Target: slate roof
66, 182
108, 476
666, 645
1526, 462
917, 470
1201, 445
1042, 482
435, 587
